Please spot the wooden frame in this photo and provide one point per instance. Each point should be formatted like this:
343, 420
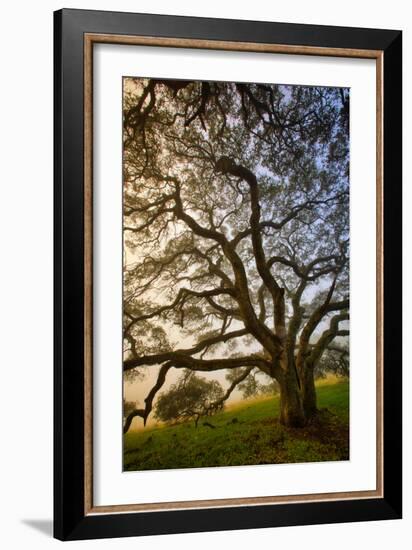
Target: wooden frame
75, 515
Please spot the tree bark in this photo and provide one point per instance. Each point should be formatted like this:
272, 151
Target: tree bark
291, 406
309, 393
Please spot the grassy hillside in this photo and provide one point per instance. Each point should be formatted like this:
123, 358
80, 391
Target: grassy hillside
247, 434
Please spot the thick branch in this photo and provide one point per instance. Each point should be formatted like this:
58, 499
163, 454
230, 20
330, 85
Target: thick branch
326, 307
304, 272
327, 337
182, 359
295, 211
259, 330
228, 166
144, 413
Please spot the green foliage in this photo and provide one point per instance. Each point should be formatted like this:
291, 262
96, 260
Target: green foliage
257, 383
128, 407
250, 434
177, 136
191, 397
236, 236
335, 361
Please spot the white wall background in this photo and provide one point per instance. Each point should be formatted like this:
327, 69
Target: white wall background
26, 273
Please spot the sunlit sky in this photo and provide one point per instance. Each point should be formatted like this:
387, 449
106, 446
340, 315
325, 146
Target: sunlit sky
138, 389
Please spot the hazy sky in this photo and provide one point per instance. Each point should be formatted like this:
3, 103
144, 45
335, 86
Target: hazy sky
138, 389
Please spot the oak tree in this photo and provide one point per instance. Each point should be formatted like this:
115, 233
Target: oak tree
236, 232
191, 397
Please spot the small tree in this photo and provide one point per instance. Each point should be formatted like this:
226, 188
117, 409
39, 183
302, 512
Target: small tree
190, 398
335, 360
128, 407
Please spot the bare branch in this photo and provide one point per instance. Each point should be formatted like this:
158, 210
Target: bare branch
144, 413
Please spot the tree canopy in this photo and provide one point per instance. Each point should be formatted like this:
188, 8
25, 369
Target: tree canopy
190, 398
236, 231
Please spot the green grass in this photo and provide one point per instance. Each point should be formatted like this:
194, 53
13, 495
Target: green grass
248, 434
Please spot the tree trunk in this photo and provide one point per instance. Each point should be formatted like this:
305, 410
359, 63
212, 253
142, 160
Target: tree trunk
309, 393
291, 407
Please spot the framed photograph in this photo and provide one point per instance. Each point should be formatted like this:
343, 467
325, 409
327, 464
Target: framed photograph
227, 274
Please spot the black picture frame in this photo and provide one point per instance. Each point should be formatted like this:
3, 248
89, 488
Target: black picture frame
71, 522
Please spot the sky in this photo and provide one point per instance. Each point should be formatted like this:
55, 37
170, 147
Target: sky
138, 389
